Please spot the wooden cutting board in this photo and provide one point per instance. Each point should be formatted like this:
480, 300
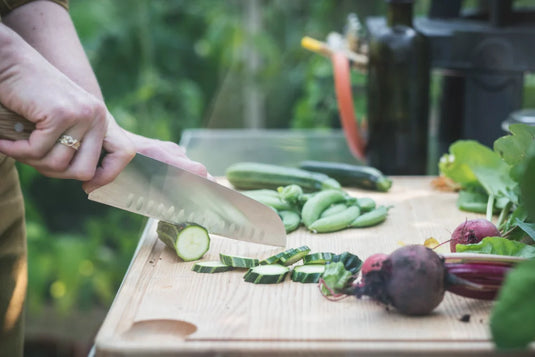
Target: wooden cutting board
164, 308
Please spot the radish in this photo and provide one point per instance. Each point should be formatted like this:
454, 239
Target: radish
473, 231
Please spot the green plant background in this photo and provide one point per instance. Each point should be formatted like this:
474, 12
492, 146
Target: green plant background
165, 66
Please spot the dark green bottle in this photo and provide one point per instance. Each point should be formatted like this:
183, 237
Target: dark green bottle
398, 94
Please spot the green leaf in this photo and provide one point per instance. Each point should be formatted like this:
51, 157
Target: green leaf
527, 186
528, 228
512, 320
500, 246
471, 163
335, 277
513, 148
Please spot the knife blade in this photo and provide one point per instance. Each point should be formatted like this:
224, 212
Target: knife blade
157, 190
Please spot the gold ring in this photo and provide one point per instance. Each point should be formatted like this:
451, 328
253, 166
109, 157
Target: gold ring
69, 141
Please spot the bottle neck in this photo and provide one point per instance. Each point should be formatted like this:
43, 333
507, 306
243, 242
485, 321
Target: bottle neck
399, 13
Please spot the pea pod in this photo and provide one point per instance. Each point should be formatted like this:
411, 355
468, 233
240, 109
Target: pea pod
366, 204
336, 221
290, 193
371, 218
316, 204
290, 219
333, 209
265, 197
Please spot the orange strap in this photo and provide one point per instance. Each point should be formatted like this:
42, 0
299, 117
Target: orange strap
344, 97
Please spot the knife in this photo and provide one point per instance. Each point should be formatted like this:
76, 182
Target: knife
164, 192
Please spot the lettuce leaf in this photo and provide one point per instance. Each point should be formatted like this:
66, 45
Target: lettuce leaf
512, 320
498, 245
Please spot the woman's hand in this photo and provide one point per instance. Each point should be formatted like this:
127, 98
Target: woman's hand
33, 88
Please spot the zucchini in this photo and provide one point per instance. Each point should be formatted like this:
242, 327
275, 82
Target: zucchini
251, 175
360, 176
272, 259
294, 255
238, 261
310, 273
318, 258
210, 267
266, 274
189, 240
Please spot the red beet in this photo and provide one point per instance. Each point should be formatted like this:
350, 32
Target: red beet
473, 231
412, 279
373, 262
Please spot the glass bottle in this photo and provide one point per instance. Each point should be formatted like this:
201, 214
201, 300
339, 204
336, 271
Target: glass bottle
398, 94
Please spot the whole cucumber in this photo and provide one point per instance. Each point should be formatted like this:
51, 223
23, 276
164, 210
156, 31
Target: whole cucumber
360, 176
252, 175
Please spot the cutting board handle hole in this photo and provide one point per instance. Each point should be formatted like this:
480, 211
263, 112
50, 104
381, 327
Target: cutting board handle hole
164, 329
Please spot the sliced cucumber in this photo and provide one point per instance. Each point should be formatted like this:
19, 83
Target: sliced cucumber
310, 273
318, 258
294, 255
189, 240
238, 261
266, 274
210, 267
273, 259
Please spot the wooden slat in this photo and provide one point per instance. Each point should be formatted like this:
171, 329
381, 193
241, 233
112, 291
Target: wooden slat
165, 308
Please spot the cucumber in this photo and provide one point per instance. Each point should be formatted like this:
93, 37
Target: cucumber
294, 255
318, 258
190, 241
307, 273
350, 175
251, 175
273, 259
210, 267
238, 261
266, 274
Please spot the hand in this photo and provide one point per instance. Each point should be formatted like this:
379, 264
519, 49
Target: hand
33, 88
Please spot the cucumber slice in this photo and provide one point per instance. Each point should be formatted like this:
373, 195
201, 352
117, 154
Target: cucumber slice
308, 273
210, 267
318, 258
238, 261
293, 255
273, 259
189, 240
266, 274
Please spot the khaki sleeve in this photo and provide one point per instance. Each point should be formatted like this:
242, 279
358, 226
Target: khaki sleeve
7, 5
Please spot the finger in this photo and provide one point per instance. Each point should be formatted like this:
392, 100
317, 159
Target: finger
119, 152
57, 161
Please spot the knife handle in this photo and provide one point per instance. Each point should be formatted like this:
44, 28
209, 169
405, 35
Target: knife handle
13, 126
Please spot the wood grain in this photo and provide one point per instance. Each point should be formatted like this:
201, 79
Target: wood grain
163, 308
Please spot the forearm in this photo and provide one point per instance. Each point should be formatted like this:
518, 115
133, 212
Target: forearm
48, 28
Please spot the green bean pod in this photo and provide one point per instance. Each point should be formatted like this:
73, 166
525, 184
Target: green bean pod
316, 204
370, 218
366, 204
335, 222
290, 219
333, 209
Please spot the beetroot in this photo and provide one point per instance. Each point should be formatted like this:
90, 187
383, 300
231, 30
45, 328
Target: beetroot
473, 231
373, 262
412, 279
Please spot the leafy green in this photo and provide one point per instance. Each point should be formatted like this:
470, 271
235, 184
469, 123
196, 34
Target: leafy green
498, 245
512, 320
335, 278
527, 183
513, 148
528, 228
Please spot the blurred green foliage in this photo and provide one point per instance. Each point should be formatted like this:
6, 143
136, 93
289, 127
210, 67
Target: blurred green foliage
165, 66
